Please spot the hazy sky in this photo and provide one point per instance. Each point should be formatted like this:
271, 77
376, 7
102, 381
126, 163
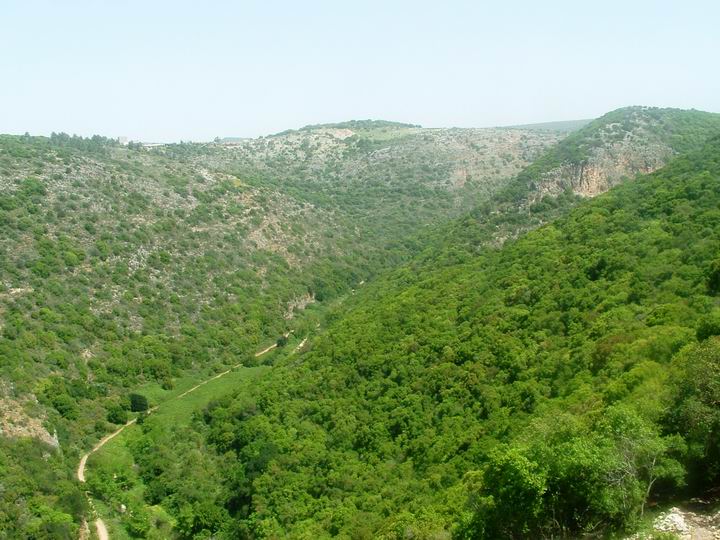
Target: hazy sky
157, 70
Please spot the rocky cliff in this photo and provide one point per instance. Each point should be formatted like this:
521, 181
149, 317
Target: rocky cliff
616, 147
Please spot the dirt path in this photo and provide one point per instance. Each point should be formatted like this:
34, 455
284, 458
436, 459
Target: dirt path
186, 392
270, 348
296, 349
100, 527
691, 522
99, 445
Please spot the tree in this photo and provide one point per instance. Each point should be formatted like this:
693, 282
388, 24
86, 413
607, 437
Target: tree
66, 406
708, 326
116, 414
642, 457
513, 487
138, 403
713, 277
696, 414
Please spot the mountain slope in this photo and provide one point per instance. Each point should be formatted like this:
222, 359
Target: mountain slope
617, 146
104, 245
403, 161
388, 177
520, 393
605, 152
128, 268
124, 269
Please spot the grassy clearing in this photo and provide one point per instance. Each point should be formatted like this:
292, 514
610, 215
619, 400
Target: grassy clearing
156, 394
116, 459
179, 411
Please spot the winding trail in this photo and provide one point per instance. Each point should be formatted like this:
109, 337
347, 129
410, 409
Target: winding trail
300, 345
100, 527
99, 445
270, 348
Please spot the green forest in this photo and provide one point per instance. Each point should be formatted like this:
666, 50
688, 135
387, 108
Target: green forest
126, 270
468, 345
553, 387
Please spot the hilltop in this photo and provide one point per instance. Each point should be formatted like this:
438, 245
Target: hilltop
604, 153
565, 126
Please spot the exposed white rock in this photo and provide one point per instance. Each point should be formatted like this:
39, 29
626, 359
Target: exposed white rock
672, 521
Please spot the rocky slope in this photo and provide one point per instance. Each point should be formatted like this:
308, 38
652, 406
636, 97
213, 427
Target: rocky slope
697, 520
603, 153
619, 146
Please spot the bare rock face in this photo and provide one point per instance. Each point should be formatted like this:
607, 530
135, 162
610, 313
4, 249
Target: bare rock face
672, 521
689, 525
607, 167
614, 148
298, 304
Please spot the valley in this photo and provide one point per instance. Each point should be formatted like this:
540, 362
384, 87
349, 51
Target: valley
179, 416
123, 268
506, 330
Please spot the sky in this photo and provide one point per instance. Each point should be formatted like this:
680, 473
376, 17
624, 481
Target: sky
162, 71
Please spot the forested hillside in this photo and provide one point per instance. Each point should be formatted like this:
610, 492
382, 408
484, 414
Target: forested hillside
125, 270
552, 387
603, 153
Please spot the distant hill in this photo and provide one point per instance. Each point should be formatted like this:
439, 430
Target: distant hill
605, 152
355, 125
618, 145
564, 126
361, 124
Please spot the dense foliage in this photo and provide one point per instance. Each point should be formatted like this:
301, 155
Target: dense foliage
39, 497
552, 387
123, 269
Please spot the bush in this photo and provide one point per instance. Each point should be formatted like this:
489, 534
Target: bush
708, 326
138, 403
116, 414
